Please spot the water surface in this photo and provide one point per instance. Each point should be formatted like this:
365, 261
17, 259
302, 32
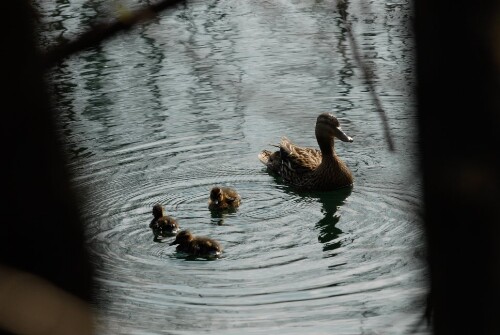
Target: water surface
178, 105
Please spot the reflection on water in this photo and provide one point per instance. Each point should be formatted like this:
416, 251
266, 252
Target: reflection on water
328, 232
170, 109
218, 216
330, 202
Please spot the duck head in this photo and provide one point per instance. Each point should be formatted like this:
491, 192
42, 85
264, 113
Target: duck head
216, 195
183, 237
327, 126
157, 211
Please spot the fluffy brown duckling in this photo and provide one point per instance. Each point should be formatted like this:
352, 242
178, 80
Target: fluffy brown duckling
223, 198
163, 225
196, 245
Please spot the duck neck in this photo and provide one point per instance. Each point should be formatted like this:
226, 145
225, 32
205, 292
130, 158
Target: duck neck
326, 147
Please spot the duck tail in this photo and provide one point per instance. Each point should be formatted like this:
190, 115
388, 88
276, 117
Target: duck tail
271, 159
264, 156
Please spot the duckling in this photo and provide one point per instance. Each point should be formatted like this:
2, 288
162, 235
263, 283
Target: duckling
196, 246
223, 198
309, 169
163, 225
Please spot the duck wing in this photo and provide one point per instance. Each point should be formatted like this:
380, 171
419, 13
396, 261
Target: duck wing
206, 246
297, 160
230, 194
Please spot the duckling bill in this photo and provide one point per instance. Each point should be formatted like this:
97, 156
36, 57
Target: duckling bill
163, 225
223, 198
309, 169
196, 245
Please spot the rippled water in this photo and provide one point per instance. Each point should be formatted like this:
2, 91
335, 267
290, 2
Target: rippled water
166, 111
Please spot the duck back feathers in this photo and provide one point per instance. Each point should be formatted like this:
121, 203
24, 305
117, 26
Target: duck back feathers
163, 225
196, 245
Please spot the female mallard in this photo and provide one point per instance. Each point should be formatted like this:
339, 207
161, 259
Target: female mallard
309, 169
163, 225
223, 198
196, 246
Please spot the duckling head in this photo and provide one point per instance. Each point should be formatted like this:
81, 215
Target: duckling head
157, 211
216, 195
327, 125
183, 237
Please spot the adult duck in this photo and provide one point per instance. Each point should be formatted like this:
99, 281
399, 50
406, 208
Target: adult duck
162, 225
196, 245
309, 169
223, 198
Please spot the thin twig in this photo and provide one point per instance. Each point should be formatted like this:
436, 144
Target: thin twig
342, 6
104, 31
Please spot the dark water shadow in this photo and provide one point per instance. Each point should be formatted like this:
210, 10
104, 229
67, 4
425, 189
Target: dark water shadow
217, 217
327, 226
330, 201
163, 239
193, 258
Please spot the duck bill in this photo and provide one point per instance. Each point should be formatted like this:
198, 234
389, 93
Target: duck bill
174, 243
342, 136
